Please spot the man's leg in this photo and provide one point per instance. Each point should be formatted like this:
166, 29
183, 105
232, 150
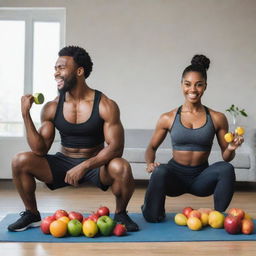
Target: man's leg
25, 168
118, 174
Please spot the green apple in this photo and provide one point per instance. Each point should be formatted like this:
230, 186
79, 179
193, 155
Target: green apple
75, 227
106, 225
38, 98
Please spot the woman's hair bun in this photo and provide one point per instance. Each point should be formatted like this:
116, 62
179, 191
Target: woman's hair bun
201, 60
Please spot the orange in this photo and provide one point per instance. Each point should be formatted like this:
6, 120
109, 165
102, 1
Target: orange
58, 228
247, 216
239, 131
180, 219
64, 219
228, 137
194, 223
90, 228
216, 219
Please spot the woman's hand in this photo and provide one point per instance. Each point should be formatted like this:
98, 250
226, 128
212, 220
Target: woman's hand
238, 141
151, 167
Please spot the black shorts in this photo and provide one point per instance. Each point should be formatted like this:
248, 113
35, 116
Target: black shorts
60, 164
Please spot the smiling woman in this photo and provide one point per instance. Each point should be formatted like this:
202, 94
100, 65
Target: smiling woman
192, 128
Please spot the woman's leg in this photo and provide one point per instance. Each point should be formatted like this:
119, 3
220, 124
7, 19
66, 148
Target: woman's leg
162, 182
217, 179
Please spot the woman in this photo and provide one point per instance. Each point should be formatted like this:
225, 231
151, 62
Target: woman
192, 127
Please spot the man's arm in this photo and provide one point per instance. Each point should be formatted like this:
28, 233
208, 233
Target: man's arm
39, 141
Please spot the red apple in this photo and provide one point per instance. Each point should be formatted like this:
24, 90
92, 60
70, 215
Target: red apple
60, 213
187, 210
232, 224
45, 225
119, 230
236, 212
94, 216
103, 211
195, 213
75, 216
247, 226
85, 219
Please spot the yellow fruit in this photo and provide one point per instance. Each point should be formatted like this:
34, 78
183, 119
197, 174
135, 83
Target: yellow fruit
90, 228
216, 219
228, 137
247, 216
64, 219
194, 223
239, 131
38, 98
180, 219
204, 218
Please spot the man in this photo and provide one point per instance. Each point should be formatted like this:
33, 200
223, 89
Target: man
85, 119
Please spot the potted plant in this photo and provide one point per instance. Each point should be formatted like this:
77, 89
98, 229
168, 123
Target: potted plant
235, 112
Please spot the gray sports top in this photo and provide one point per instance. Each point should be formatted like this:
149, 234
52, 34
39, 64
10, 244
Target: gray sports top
189, 139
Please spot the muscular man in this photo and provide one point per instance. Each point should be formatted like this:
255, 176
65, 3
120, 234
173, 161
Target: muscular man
85, 119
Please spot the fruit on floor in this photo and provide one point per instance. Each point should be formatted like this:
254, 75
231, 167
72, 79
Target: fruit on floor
194, 223
58, 228
216, 219
90, 228
180, 219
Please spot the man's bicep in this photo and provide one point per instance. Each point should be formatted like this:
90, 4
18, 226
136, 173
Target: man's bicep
114, 133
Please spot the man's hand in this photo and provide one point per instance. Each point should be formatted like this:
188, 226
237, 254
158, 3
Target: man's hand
74, 175
26, 103
151, 167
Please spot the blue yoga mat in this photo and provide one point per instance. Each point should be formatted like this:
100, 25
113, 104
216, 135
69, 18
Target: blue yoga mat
166, 231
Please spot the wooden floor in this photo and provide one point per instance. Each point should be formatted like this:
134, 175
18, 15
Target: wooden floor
87, 199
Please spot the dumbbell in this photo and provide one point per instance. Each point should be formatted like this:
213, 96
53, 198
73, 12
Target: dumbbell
38, 98
229, 137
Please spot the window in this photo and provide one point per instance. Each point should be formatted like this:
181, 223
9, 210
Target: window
30, 41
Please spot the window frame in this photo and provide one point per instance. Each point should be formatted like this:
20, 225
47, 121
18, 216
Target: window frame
30, 16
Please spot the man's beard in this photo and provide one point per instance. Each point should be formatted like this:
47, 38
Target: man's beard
69, 84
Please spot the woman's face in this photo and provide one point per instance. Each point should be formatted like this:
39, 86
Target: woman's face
193, 85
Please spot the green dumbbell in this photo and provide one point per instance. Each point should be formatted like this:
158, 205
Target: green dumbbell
38, 98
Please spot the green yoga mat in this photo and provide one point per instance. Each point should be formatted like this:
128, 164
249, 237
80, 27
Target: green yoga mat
166, 231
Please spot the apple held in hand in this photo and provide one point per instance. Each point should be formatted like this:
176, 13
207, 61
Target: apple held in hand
119, 230
103, 211
75, 216
106, 225
60, 213
236, 212
45, 225
187, 210
75, 227
232, 224
247, 226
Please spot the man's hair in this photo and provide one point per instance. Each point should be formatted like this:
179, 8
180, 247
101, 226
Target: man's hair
80, 56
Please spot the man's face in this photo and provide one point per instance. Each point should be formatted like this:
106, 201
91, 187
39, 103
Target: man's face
65, 73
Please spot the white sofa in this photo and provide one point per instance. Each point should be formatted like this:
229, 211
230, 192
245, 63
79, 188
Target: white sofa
137, 140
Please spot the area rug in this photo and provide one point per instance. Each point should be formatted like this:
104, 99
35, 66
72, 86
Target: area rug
166, 231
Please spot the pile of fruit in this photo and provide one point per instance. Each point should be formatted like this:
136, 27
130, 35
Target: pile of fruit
236, 221
62, 223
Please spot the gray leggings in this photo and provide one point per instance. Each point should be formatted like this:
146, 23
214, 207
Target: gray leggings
174, 179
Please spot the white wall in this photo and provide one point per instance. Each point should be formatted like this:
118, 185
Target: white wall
140, 48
